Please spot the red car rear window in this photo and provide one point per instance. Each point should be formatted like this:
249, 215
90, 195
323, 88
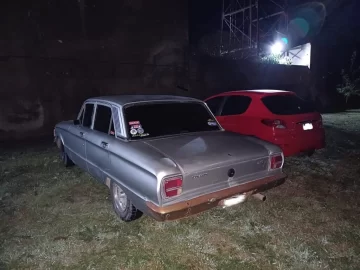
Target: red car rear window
287, 105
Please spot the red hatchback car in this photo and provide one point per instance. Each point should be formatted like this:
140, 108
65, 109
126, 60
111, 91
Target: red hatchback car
279, 117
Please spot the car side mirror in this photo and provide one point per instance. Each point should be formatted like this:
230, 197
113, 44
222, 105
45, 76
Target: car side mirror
76, 122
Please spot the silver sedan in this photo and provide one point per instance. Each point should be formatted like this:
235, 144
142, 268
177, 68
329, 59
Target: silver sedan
166, 156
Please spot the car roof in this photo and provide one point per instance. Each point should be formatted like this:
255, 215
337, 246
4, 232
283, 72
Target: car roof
122, 100
259, 92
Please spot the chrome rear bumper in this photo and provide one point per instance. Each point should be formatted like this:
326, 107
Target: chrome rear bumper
205, 202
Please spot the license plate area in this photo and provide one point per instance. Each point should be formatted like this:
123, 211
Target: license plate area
308, 126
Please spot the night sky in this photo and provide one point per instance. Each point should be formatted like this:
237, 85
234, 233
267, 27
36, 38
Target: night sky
336, 36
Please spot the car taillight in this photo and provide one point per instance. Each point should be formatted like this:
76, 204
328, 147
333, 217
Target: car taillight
276, 161
172, 186
274, 123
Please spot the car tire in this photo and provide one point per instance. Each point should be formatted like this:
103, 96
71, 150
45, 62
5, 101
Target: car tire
123, 207
310, 153
64, 156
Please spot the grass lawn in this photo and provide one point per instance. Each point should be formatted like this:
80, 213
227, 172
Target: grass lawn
54, 218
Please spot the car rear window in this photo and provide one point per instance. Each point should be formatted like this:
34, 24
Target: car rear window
287, 105
171, 118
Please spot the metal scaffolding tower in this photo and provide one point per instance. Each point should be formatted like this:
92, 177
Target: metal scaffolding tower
248, 26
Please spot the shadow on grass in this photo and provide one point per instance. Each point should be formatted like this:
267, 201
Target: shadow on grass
29, 145
339, 143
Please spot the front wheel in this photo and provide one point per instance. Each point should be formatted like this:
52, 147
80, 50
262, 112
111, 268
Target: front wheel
63, 155
123, 207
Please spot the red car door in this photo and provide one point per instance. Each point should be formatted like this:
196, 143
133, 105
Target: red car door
232, 117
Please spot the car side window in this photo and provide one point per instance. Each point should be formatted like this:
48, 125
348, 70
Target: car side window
102, 119
235, 105
89, 110
214, 104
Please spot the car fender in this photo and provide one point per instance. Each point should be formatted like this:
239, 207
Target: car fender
58, 138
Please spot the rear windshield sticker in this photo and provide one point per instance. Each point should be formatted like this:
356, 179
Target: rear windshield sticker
133, 131
212, 123
136, 129
140, 135
140, 130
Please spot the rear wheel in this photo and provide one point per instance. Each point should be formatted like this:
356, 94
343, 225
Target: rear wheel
123, 207
305, 154
310, 153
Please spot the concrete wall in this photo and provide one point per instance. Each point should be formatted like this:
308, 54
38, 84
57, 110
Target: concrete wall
43, 81
33, 103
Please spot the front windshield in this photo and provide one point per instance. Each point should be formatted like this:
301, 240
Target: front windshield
149, 120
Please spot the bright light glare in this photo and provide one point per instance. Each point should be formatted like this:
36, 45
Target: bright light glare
276, 48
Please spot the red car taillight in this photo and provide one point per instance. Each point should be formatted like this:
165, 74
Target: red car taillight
172, 186
274, 123
276, 161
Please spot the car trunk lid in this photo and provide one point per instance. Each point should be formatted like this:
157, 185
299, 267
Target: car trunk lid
207, 159
295, 113
302, 123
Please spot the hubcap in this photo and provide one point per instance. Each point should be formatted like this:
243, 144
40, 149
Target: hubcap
120, 198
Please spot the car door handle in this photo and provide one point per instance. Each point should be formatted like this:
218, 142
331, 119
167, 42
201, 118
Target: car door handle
81, 134
104, 144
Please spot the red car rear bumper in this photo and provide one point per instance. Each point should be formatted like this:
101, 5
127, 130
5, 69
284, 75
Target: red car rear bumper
293, 144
